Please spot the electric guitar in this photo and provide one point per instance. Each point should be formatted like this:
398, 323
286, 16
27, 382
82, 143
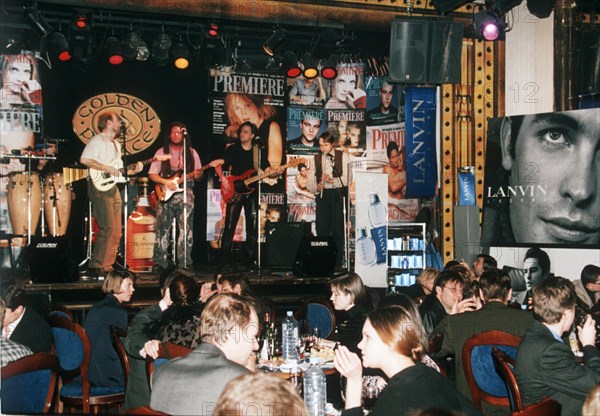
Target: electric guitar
104, 181
163, 194
238, 185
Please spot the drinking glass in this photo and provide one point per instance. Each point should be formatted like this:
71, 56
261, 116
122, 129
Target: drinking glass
369, 396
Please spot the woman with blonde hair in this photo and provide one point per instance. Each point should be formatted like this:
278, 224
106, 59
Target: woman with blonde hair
392, 342
105, 368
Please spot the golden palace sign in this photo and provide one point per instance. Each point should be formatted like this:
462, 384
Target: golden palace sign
142, 125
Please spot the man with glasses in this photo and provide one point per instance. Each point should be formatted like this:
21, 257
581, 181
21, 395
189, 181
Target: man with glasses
446, 299
587, 288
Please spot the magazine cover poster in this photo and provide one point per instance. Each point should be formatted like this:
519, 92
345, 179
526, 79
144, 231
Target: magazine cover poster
380, 139
349, 130
304, 126
541, 182
304, 91
272, 209
347, 90
257, 98
215, 219
382, 101
21, 126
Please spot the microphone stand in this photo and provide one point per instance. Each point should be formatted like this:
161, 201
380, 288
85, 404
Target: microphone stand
185, 199
257, 143
126, 190
343, 201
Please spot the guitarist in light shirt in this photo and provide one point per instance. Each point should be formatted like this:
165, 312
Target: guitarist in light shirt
164, 173
103, 153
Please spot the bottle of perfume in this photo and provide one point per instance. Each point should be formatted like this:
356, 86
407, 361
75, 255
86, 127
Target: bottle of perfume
377, 212
365, 248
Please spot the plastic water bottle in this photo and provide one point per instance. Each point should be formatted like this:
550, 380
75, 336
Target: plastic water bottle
289, 338
315, 389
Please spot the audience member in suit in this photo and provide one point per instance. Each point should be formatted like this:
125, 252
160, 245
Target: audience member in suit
9, 350
495, 292
482, 263
545, 364
137, 391
446, 299
22, 324
587, 288
105, 369
179, 324
191, 385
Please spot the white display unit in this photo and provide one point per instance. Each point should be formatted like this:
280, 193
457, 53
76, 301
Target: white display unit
406, 253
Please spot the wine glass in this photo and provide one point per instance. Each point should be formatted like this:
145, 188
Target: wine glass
315, 334
370, 394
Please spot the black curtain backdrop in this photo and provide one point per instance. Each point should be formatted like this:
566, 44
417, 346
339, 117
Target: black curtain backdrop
174, 94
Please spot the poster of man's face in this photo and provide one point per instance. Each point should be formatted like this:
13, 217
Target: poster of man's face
542, 181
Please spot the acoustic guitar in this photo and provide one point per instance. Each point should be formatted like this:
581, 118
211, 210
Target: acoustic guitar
163, 194
239, 185
104, 181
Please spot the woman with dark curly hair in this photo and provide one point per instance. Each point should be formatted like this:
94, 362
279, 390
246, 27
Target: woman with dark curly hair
179, 323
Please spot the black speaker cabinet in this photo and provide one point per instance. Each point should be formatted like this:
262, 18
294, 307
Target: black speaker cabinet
51, 260
425, 51
283, 239
316, 257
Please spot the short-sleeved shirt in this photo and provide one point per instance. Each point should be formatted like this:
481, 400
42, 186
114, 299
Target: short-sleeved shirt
102, 150
176, 162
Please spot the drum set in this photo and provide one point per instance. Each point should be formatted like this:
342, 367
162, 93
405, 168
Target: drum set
32, 196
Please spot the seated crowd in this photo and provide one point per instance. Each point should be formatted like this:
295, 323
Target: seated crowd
221, 324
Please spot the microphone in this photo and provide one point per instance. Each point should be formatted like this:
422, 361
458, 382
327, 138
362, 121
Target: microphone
330, 156
184, 131
257, 141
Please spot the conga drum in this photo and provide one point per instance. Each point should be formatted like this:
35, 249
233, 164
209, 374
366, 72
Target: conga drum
57, 203
24, 190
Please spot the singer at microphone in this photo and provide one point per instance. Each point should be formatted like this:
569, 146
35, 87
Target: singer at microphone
328, 182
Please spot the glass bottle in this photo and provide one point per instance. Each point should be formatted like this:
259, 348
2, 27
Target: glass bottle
365, 248
377, 212
141, 232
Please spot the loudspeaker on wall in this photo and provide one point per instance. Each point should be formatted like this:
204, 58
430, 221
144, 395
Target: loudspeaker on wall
425, 51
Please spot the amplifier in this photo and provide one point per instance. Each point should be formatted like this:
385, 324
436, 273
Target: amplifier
51, 260
316, 257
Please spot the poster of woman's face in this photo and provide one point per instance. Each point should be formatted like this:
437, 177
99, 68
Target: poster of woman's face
542, 181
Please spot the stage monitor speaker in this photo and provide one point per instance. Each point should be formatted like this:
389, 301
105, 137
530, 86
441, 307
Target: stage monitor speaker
51, 260
425, 51
316, 257
283, 239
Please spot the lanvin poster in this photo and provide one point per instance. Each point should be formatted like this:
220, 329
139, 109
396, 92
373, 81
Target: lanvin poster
542, 180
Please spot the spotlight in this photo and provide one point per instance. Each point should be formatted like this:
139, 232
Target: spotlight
290, 64
134, 47
113, 47
212, 31
37, 22
310, 71
160, 49
82, 20
329, 69
81, 36
488, 26
273, 64
61, 46
181, 54
274, 42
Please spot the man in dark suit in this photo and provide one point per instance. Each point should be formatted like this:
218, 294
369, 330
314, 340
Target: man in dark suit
495, 292
546, 365
191, 385
22, 324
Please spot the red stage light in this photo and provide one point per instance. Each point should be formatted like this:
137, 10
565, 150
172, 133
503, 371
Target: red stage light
64, 56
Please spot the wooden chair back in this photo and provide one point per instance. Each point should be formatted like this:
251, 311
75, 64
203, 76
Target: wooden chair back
166, 351
547, 407
29, 384
317, 313
505, 364
482, 370
118, 337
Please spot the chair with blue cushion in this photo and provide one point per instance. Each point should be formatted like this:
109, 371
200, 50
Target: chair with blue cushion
484, 381
74, 351
55, 309
118, 337
166, 351
505, 365
317, 313
29, 384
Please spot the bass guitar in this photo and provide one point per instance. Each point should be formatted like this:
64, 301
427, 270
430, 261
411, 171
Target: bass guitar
239, 185
163, 194
104, 181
